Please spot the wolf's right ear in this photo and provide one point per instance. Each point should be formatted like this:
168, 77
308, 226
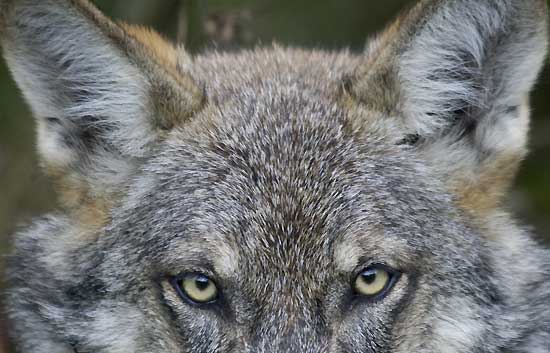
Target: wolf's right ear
100, 92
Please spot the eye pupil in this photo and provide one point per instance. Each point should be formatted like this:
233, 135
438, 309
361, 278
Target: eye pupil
202, 283
369, 276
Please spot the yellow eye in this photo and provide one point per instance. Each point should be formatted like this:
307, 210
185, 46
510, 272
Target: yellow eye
374, 281
197, 288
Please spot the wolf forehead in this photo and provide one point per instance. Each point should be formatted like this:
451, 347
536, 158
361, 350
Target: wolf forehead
272, 168
276, 69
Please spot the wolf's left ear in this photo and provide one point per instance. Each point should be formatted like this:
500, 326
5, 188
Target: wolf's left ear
101, 92
454, 76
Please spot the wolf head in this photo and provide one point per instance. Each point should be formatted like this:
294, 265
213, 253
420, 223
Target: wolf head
280, 200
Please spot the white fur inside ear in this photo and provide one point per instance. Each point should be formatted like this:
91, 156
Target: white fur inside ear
438, 70
506, 132
51, 146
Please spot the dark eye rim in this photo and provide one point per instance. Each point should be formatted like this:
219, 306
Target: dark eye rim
175, 280
394, 275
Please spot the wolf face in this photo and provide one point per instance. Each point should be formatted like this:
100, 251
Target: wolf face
280, 200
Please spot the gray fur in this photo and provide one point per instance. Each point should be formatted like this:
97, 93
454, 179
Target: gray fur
289, 179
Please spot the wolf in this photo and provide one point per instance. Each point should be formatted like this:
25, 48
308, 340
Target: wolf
279, 200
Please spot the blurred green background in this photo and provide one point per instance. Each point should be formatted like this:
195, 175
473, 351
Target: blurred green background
228, 25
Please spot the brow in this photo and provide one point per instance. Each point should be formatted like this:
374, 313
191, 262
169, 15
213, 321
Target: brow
212, 254
353, 250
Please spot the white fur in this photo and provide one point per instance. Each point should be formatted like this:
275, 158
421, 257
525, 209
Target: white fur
457, 332
227, 261
505, 132
115, 327
50, 146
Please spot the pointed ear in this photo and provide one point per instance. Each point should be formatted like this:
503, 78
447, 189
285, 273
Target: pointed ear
101, 93
455, 75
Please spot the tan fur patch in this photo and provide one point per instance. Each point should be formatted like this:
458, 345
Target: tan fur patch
159, 47
484, 194
92, 212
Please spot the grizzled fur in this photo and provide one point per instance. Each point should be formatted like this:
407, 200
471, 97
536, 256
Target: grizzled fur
280, 173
